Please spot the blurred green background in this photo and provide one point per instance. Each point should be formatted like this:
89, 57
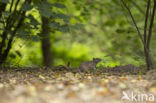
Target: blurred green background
102, 28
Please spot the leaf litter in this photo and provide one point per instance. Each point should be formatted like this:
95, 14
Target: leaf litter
48, 86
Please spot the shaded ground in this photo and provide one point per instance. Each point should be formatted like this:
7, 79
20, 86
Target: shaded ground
47, 86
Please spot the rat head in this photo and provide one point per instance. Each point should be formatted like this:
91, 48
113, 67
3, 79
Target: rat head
96, 60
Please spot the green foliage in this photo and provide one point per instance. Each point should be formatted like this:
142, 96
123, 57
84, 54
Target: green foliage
45, 9
108, 61
54, 25
6, 14
26, 7
25, 53
4, 1
80, 30
72, 53
33, 21
107, 26
58, 5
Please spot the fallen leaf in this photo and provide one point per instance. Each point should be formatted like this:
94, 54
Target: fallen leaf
32, 90
123, 78
42, 77
71, 95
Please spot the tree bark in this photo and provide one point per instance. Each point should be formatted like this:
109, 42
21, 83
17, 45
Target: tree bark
148, 59
45, 42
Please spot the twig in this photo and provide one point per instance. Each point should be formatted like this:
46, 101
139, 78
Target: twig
139, 33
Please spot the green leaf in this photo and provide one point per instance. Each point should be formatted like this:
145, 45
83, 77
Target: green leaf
13, 56
66, 18
33, 21
54, 25
4, 1
35, 38
63, 16
22, 33
45, 9
6, 13
57, 26
53, 15
58, 5
26, 7
18, 53
64, 28
77, 26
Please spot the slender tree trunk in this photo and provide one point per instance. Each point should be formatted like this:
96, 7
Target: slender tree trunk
46, 51
148, 59
147, 37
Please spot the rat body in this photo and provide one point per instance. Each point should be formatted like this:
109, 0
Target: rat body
87, 65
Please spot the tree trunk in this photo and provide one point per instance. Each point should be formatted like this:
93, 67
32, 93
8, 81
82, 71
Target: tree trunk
46, 45
148, 59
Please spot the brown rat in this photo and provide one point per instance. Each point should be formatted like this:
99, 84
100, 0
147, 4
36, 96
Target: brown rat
87, 65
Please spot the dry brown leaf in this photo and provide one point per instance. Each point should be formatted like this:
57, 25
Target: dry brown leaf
102, 91
69, 75
71, 95
58, 74
1, 85
103, 84
133, 80
13, 81
123, 78
32, 90
153, 89
41, 77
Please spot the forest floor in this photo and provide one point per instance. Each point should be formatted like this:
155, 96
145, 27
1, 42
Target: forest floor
47, 86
